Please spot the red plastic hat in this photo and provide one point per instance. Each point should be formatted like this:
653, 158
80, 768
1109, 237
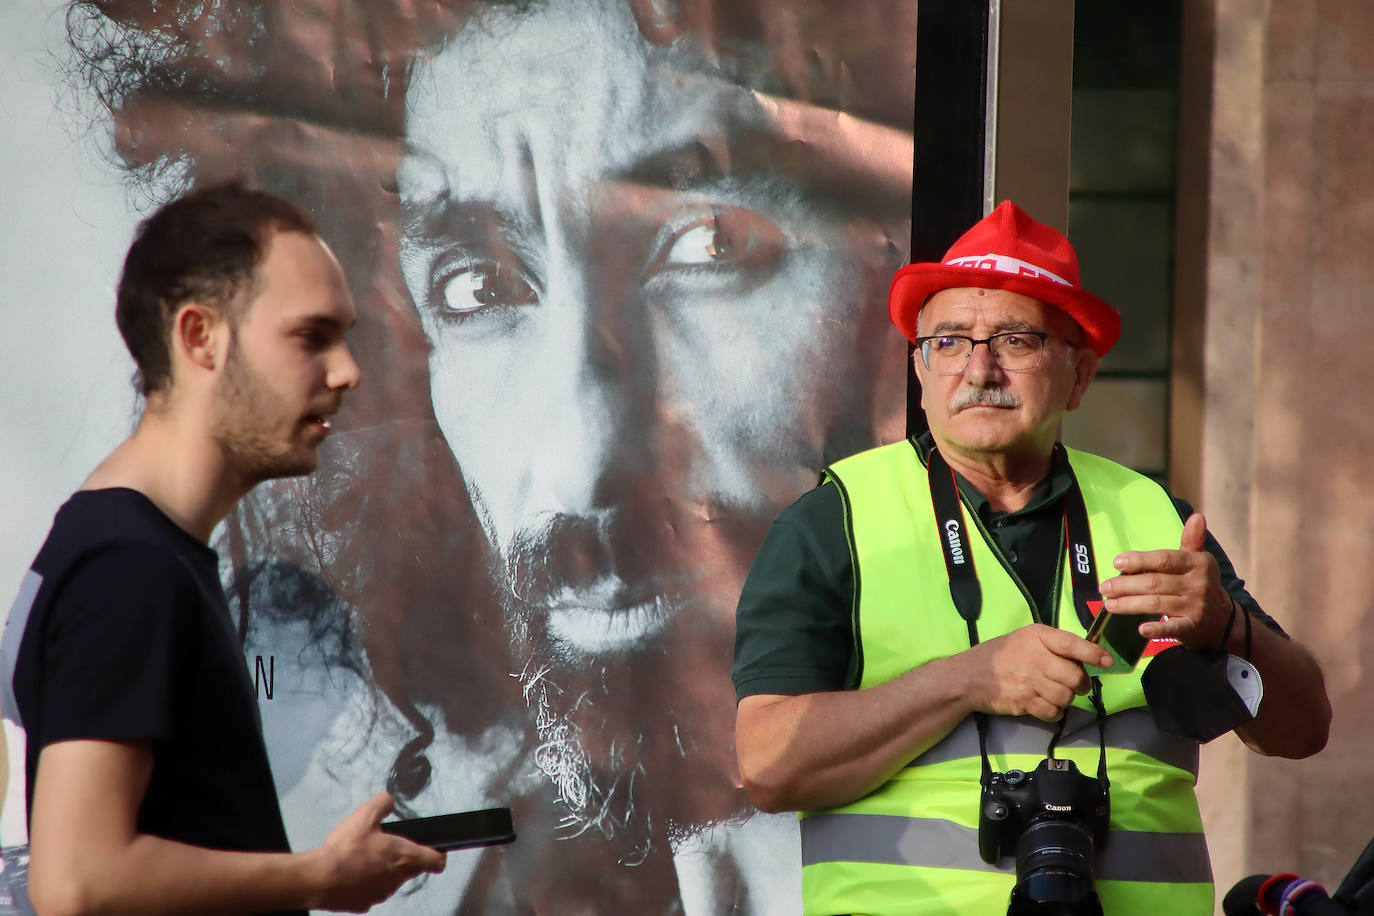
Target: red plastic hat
1008, 250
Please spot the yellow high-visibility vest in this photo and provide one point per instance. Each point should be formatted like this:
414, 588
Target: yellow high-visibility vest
911, 846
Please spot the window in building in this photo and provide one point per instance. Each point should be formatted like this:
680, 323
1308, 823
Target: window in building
1122, 169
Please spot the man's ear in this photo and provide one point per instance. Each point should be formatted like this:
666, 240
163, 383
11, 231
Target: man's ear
916, 367
1084, 371
199, 336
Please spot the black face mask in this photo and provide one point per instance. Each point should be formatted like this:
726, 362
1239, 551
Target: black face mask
1201, 695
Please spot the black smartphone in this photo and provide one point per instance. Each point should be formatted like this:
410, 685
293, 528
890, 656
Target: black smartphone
1120, 635
463, 830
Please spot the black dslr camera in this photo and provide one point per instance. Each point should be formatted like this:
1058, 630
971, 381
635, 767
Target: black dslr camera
1057, 818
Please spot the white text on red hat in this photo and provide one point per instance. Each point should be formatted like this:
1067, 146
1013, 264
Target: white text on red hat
1005, 264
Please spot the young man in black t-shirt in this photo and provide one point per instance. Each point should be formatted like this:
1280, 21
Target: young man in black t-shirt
148, 782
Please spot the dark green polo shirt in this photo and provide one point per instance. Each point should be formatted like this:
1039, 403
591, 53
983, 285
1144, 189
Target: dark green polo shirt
793, 628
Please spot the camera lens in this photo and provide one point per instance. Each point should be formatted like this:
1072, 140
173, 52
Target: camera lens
1054, 874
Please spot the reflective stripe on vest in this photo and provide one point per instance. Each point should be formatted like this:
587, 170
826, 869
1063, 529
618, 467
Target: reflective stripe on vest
924, 820
936, 843
1132, 729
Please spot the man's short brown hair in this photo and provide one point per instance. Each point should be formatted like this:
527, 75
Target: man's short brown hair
203, 246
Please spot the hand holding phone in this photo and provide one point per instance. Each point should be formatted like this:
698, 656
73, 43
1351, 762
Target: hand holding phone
1183, 584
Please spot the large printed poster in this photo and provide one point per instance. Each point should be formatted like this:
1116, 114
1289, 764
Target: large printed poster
621, 268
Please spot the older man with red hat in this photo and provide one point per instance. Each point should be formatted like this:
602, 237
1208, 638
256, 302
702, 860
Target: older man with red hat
916, 662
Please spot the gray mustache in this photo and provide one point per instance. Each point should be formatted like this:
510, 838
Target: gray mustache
970, 396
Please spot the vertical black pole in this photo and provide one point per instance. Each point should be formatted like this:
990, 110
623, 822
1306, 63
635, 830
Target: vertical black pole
951, 115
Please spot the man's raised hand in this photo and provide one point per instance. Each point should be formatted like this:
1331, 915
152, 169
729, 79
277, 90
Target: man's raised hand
1182, 586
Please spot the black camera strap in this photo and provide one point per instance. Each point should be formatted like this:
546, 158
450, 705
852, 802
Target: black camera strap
967, 595
1087, 594
949, 516
1101, 712
964, 589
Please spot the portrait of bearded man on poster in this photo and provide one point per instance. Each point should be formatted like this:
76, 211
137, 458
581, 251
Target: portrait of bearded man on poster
621, 268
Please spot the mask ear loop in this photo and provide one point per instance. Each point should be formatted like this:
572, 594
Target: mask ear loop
1230, 622
1247, 634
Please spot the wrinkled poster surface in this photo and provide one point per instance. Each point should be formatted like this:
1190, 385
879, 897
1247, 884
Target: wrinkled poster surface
621, 270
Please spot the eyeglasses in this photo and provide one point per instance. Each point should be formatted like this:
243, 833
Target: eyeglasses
1014, 351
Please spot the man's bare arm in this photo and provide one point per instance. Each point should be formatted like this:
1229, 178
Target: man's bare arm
819, 750
1294, 718
88, 856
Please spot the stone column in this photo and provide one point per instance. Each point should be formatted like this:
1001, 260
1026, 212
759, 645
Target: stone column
1281, 432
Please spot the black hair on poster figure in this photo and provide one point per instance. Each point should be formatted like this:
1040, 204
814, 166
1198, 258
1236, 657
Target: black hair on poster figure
950, 127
